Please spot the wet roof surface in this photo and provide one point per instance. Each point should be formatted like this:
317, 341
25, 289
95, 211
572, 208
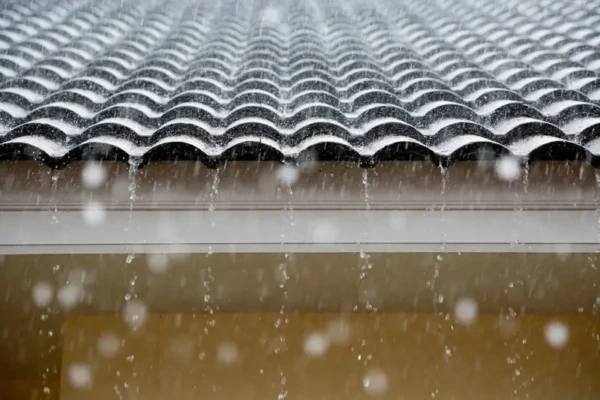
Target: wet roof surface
366, 80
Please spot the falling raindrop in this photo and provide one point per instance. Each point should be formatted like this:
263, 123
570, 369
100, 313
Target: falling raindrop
227, 353
80, 376
508, 168
556, 334
134, 164
366, 185
375, 382
288, 175
214, 196
42, 294
466, 310
135, 314
108, 345
316, 344
93, 175
69, 296
158, 263
271, 15
94, 213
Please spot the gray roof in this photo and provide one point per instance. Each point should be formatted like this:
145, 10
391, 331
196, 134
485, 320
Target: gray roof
342, 79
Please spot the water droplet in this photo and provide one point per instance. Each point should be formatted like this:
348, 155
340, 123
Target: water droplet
94, 213
375, 382
466, 310
271, 15
158, 263
288, 175
316, 344
135, 314
227, 353
508, 168
556, 334
108, 345
42, 294
80, 376
93, 175
69, 296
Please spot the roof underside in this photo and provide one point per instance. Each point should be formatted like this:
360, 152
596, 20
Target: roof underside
376, 80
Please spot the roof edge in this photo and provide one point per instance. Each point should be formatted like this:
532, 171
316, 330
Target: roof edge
187, 185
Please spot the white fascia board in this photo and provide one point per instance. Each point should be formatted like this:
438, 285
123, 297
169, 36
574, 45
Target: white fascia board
300, 231
332, 207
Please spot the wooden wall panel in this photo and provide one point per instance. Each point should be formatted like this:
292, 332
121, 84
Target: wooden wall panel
423, 356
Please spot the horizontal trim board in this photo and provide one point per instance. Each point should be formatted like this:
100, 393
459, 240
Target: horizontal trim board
322, 185
531, 248
302, 228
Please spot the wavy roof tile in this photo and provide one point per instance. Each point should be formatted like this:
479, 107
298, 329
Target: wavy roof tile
223, 79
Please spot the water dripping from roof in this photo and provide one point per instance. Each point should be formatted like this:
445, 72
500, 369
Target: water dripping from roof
508, 168
525, 175
208, 298
522, 189
287, 176
365, 182
290, 175
365, 258
438, 298
444, 172
54, 178
134, 164
214, 195
597, 213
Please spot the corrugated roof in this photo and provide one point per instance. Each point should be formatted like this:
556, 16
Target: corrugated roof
366, 80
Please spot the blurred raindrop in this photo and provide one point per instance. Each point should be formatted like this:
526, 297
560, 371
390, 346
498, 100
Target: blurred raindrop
227, 353
556, 334
466, 310
69, 296
93, 175
108, 345
80, 376
158, 263
135, 314
287, 175
94, 213
42, 294
316, 344
508, 168
271, 15
375, 382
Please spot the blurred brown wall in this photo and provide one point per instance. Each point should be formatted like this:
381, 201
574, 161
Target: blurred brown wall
423, 356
